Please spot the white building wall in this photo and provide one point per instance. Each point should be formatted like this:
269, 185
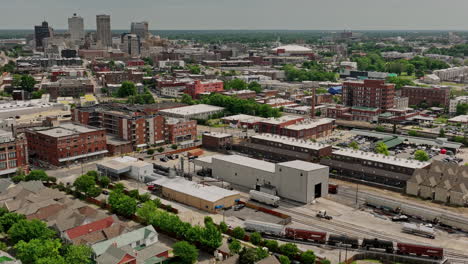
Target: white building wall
299, 185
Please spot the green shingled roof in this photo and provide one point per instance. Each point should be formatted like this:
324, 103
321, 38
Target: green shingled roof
124, 239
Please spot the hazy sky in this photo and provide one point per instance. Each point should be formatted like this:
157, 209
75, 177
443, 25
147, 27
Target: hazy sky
243, 14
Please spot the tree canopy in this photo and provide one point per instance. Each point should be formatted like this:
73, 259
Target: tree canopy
381, 148
421, 155
122, 204
27, 230
126, 89
24, 82
186, 252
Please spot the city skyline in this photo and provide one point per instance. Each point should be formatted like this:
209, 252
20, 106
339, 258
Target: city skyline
243, 14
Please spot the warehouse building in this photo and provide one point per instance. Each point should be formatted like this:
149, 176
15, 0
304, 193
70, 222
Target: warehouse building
125, 167
281, 148
296, 180
199, 111
372, 169
203, 197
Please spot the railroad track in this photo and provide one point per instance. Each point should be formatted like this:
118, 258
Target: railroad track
330, 226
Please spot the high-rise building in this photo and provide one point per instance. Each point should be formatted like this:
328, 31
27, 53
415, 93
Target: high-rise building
369, 93
40, 33
131, 44
140, 29
103, 26
76, 27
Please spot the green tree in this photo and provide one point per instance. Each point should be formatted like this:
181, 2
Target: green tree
462, 109
104, 181
325, 261
380, 129
272, 245
160, 149
255, 238
381, 148
37, 175
18, 178
126, 89
255, 86
194, 69
30, 252
442, 133
9, 219
3, 246
122, 204
78, 254
150, 151
186, 252
234, 247
51, 260
223, 227
284, 260
289, 249
235, 84
238, 232
27, 230
85, 183
421, 155
308, 257
211, 237
174, 146
187, 99
147, 212
93, 192
354, 145
119, 187
248, 256
27, 83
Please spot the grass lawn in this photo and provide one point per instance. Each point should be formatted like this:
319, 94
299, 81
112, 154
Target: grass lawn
4, 258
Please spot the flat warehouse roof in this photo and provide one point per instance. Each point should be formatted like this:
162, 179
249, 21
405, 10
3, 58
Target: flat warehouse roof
381, 158
291, 141
302, 165
248, 162
204, 192
192, 109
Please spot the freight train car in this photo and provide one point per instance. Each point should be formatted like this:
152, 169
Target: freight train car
420, 250
294, 233
264, 228
377, 244
342, 240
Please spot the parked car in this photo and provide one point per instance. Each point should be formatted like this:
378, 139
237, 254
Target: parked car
164, 159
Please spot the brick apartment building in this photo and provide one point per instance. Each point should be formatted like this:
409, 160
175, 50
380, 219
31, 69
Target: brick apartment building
297, 127
13, 153
142, 126
68, 87
117, 77
217, 141
198, 87
179, 130
433, 96
65, 144
368, 93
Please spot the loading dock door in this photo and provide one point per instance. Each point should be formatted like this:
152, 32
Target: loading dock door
318, 190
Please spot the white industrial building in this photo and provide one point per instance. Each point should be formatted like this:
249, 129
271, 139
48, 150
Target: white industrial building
125, 166
296, 180
198, 111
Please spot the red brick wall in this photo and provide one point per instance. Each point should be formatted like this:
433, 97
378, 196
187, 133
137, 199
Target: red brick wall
51, 149
196, 88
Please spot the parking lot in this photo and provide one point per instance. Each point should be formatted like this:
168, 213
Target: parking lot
343, 138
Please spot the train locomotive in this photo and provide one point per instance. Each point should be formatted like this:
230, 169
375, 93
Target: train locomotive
373, 244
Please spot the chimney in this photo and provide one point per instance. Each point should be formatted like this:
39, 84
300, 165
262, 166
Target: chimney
312, 108
13, 130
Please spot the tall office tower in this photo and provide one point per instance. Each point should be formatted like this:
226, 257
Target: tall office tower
40, 33
131, 44
140, 29
104, 35
76, 27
